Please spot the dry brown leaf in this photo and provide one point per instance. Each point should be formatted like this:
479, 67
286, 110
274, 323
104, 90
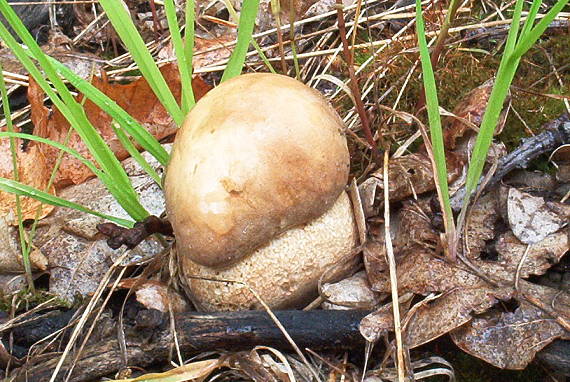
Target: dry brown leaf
135, 98
463, 290
409, 175
510, 340
410, 227
480, 225
155, 295
32, 170
530, 217
377, 324
469, 114
351, 293
11, 260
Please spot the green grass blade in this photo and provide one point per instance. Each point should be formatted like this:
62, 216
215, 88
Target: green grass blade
190, 14
528, 40
127, 144
505, 75
234, 16
514, 29
432, 104
529, 22
128, 33
20, 189
105, 179
487, 129
147, 141
71, 110
245, 31
185, 67
70, 151
25, 248
263, 56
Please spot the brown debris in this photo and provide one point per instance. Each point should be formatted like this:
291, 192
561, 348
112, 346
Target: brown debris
135, 98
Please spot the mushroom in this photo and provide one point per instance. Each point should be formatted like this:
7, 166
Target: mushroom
255, 193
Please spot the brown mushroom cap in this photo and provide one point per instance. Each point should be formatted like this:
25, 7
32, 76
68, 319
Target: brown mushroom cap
284, 272
257, 155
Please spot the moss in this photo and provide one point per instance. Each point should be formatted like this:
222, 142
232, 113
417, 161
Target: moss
460, 71
27, 300
536, 71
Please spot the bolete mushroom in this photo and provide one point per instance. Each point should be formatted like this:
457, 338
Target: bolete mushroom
254, 192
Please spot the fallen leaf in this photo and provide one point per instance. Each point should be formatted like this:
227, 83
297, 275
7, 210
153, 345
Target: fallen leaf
156, 295
135, 98
461, 290
468, 115
11, 260
33, 171
480, 225
351, 293
530, 218
509, 340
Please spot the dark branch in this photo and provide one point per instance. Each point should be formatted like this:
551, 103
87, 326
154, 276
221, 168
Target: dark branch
200, 332
555, 134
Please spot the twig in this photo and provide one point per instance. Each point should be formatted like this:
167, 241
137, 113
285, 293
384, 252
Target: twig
202, 332
131, 237
353, 81
555, 133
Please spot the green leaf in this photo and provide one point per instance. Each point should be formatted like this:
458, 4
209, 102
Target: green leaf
184, 66
18, 188
127, 144
436, 131
125, 28
141, 135
245, 31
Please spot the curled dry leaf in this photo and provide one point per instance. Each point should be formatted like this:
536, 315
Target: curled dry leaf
351, 293
480, 225
510, 340
410, 227
378, 323
135, 98
531, 218
156, 295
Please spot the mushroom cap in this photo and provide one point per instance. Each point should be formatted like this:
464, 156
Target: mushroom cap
257, 155
284, 272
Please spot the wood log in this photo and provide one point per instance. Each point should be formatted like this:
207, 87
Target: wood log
200, 332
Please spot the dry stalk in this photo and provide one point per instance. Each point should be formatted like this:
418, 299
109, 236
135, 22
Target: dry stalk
276, 10
353, 81
400, 352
